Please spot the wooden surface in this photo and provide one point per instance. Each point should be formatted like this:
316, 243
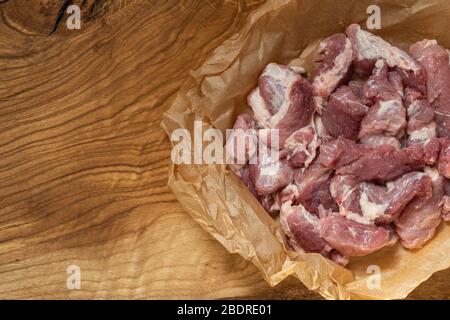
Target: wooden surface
83, 161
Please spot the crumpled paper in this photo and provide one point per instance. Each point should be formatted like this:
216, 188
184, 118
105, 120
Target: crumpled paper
288, 32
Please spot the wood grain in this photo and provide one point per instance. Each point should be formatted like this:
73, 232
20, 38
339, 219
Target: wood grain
83, 165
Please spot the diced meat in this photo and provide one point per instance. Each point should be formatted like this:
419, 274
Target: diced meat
388, 115
446, 207
244, 122
369, 203
444, 158
435, 59
418, 222
311, 189
446, 201
385, 163
336, 59
358, 162
383, 204
270, 175
269, 202
357, 87
352, 238
303, 228
368, 48
421, 126
428, 152
380, 139
340, 152
322, 133
384, 117
343, 113
300, 147
345, 191
283, 100
395, 79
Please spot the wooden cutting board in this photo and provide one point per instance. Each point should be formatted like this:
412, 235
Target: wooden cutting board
83, 161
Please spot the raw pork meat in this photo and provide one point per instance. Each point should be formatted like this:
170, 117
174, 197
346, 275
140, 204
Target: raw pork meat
368, 48
340, 152
336, 57
345, 191
388, 115
446, 208
353, 239
421, 126
270, 175
311, 188
300, 147
383, 204
444, 158
361, 163
435, 59
446, 201
369, 203
283, 100
418, 222
385, 163
303, 227
343, 113
303, 231
269, 201
380, 139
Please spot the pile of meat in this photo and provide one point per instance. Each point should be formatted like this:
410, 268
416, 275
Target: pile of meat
364, 156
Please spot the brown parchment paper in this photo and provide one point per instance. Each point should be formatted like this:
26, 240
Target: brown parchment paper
288, 32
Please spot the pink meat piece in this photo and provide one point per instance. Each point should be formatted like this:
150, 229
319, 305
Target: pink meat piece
446, 208
395, 79
302, 229
368, 48
384, 204
300, 148
418, 222
435, 59
428, 151
311, 188
353, 239
388, 115
345, 191
444, 158
340, 152
357, 87
386, 163
421, 126
282, 100
335, 68
270, 175
369, 203
380, 139
269, 201
343, 113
